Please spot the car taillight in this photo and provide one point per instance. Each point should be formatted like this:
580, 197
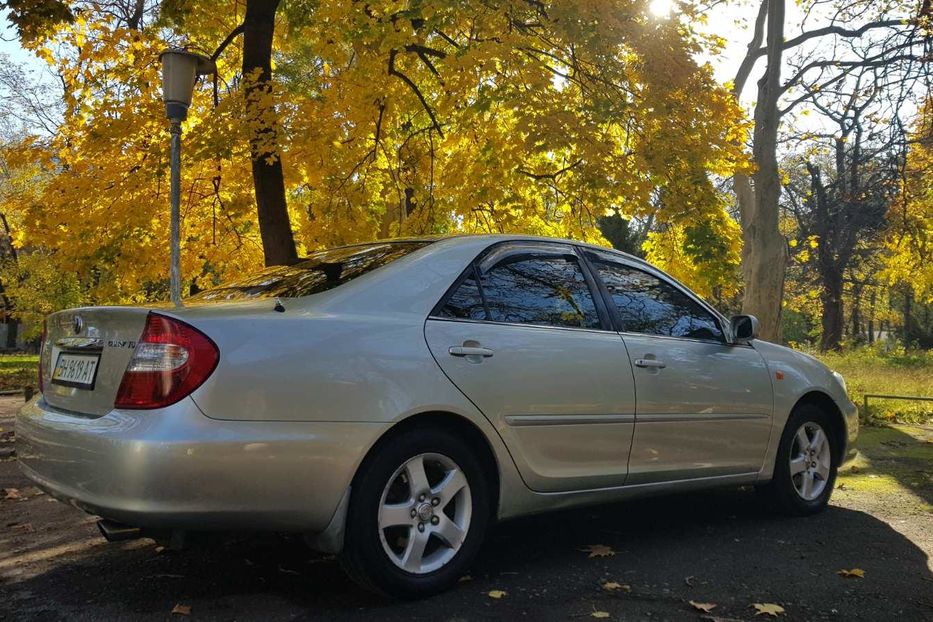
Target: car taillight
171, 360
45, 334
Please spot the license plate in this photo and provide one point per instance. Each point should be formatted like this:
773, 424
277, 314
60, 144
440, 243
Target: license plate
76, 370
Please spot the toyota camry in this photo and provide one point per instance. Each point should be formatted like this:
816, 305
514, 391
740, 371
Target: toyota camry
390, 400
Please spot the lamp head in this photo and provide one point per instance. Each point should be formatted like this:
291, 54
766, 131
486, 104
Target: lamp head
180, 69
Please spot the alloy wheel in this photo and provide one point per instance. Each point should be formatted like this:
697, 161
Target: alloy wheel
424, 513
810, 461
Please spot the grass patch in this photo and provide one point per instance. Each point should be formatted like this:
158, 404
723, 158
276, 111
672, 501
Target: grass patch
897, 372
892, 460
18, 371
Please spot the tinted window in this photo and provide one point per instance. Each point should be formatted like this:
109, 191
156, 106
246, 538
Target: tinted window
548, 290
466, 302
320, 272
651, 306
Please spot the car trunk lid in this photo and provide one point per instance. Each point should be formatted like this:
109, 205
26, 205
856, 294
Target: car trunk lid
84, 356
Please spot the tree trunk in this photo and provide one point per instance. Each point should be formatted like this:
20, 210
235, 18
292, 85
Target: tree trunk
908, 299
833, 317
871, 317
278, 243
764, 254
11, 333
857, 314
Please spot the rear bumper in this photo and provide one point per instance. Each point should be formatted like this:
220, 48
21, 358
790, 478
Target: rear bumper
175, 468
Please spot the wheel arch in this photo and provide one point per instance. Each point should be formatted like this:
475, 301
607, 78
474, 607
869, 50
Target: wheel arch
459, 425
824, 402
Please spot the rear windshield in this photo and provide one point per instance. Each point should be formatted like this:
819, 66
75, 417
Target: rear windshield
320, 272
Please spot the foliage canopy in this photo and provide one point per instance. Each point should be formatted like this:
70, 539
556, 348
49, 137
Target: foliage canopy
391, 118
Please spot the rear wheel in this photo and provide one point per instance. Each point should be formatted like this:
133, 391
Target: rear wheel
806, 463
418, 513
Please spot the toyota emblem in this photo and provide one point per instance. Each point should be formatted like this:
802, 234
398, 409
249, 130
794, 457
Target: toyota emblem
77, 324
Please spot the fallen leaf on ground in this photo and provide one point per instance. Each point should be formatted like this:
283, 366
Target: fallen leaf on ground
599, 550
497, 593
465, 578
10, 493
611, 586
181, 610
600, 614
704, 607
768, 609
855, 573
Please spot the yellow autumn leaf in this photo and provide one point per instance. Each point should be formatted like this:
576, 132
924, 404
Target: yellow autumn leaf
854, 573
611, 586
598, 550
769, 609
792, 243
704, 607
600, 614
497, 594
181, 610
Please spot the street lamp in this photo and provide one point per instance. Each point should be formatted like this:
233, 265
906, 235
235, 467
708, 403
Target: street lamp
180, 69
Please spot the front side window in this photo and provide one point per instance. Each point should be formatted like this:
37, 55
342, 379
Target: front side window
652, 306
546, 290
320, 272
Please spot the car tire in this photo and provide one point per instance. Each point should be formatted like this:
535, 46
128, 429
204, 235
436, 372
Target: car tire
395, 511
806, 465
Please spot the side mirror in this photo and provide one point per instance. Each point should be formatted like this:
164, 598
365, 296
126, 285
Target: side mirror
744, 328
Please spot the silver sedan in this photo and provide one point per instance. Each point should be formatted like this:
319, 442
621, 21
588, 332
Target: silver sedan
389, 400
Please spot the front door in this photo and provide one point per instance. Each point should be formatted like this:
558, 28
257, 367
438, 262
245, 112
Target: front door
704, 405
522, 336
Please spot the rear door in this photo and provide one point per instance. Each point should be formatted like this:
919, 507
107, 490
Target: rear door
704, 405
524, 336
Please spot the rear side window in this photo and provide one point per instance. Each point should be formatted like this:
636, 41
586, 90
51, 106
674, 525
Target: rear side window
651, 306
320, 272
466, 303
543, 290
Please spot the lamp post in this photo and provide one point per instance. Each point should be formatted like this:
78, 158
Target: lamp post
180, 69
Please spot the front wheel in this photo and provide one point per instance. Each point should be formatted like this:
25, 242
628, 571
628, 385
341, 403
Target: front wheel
418, 513
807, 460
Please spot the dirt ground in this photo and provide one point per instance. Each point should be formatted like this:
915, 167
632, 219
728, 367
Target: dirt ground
721, 547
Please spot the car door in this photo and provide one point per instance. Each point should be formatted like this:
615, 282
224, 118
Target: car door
526, 337
704, 405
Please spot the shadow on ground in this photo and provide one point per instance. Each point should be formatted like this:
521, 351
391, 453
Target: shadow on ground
891, 457
718, 547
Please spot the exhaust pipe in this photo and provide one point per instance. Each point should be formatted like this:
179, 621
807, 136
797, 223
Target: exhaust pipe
118, 532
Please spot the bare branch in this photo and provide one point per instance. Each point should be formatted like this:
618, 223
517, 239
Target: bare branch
227, 41
414, 88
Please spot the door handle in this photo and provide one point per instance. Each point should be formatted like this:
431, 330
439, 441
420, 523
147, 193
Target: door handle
650, 363
469, 351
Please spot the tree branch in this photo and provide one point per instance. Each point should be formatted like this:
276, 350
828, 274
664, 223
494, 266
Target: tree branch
754, 50
223, 45
552, 176
414, 88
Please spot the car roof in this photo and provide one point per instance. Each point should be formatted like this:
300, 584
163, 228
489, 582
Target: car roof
471, 238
